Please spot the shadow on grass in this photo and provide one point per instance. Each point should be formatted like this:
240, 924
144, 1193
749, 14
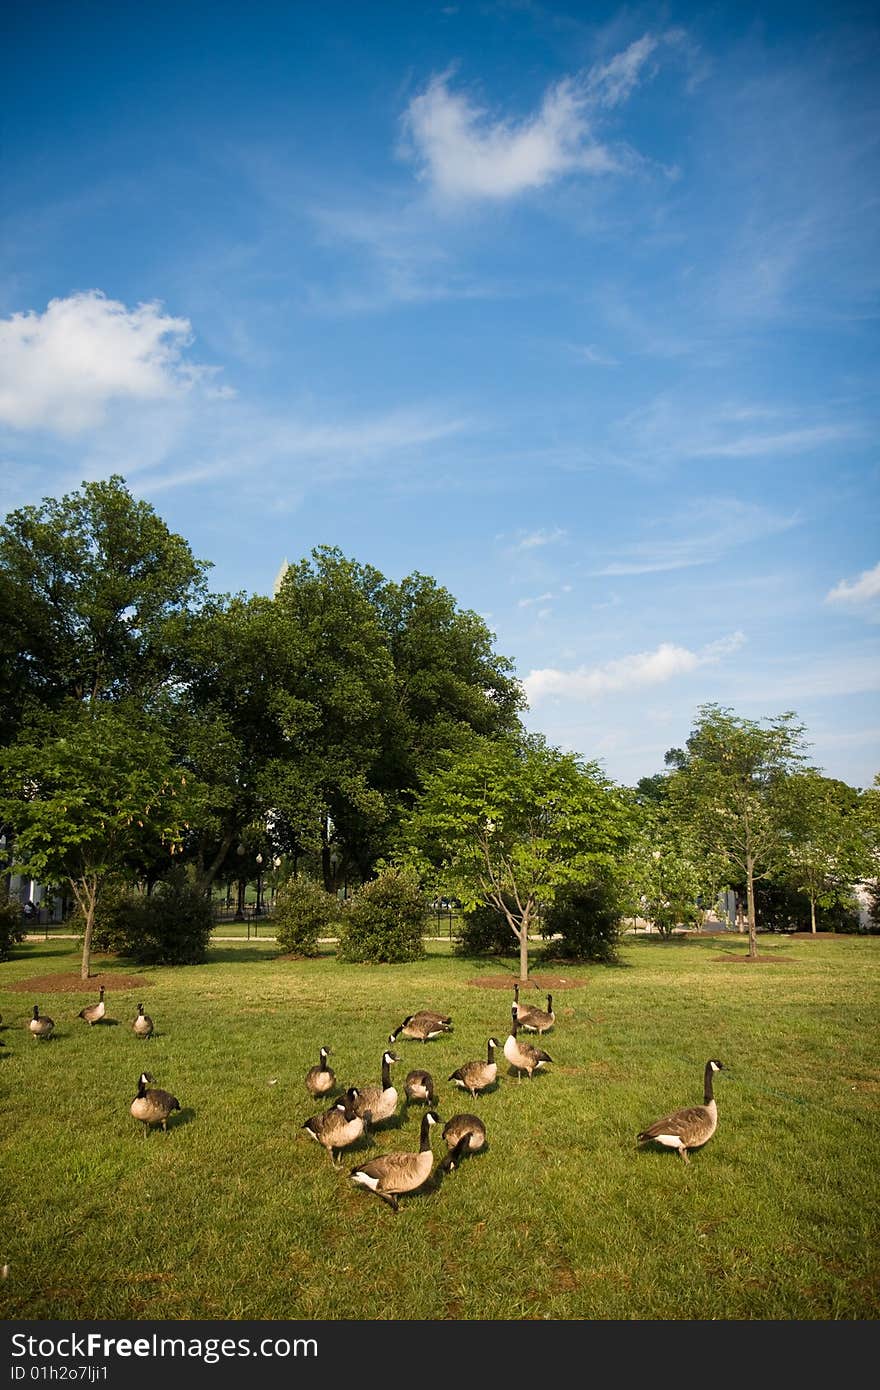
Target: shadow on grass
233, 955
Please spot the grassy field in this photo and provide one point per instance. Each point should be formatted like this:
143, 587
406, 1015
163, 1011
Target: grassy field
236, 1213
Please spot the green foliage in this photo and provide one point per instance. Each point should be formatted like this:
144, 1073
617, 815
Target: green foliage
114, 907
484, 931
171, 926
303, 911
385, 920
12, 929
586, 917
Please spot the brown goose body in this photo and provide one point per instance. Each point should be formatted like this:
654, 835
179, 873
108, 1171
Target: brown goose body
320, 1079
338, 1127
460, 1127
422, 1027
538, 1020
152, 1106
40, 1025
478, 1076
380, 1101
395, 1173
142, 1025
419, 1085
690, 1127
93, 1013
522, 1055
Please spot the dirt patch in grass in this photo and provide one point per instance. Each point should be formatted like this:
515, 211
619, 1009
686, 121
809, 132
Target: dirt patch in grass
543, 982
70, 983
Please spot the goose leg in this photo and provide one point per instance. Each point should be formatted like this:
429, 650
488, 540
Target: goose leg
683, 1153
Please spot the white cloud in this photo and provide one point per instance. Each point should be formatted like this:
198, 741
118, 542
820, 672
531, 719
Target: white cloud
541, 598
640, 669
464, 153
538, 538
61, 369
861, 590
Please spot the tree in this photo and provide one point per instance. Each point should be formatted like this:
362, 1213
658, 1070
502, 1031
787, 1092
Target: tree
728, 786
827, 853
82, 786
509, 822
668, 876
97, 590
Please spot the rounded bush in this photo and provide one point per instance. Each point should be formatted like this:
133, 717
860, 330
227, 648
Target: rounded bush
303, 911
485, 932
586, 919
170, 927
385, 920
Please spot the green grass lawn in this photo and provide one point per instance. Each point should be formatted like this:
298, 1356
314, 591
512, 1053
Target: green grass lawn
236, 1213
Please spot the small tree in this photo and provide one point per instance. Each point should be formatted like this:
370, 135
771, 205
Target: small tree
81, 787
728, 787
508, 823
827, 852
385, 920
303, 911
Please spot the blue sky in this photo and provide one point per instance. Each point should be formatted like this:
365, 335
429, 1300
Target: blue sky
572, 306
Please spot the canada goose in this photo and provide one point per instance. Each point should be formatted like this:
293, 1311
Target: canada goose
93, 1013
464, 1132
339, 1126
477, 1076
399, 1172
41, 1027
422, 1027
690, 1127
143, 1024
152, 1107
522, 1055
530, 1017
419, 1085
321, 1078
381, 1101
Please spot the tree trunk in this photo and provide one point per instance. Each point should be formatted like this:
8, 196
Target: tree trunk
524, 949
750, 889
87, 900
812, 914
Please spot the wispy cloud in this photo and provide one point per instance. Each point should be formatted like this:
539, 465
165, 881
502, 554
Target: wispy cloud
463, 152
715, 525
534, 539
857, 591
60, 370
626, 673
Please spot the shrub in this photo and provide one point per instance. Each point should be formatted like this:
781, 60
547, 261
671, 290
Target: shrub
303, 911
586, 916
385, 920
170, 927
485, 932
11, 924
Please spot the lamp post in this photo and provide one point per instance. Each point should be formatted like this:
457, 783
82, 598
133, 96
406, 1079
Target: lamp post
258, 908
239, 906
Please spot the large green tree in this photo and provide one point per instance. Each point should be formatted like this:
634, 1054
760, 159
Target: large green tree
96, 590
509, 822
728, 786
85, 786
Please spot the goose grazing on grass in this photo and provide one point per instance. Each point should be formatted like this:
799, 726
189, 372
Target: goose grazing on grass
395, 1173
521, 1055
463, 1134
422, 1027
320, 1079
338, 1127
93, 1013
478, 1076
419, 1085
142, 1025
533, 1019
151, 1106
380, 1101
41, 1027
690, 1127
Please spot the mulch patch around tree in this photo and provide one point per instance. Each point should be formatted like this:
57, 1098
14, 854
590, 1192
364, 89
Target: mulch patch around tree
539, 982
70, 983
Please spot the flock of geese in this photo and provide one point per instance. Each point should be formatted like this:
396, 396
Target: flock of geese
361, 1108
